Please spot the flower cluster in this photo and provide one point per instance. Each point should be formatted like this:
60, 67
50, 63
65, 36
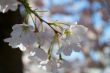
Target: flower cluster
47, 45
42, 44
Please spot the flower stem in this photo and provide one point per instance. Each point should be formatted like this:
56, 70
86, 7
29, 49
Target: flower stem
29, 10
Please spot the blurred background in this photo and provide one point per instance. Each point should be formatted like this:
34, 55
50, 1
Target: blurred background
95, 15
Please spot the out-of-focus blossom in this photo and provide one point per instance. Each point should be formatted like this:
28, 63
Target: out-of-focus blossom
6, 5
105, 36
98, 21
53, 65
93, 70
107, 51
107, 69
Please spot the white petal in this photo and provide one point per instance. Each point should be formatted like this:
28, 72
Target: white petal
39, 53
13, 42
6, 5
21, 47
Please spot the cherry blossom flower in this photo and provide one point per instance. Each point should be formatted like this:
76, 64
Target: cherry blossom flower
49, 65
21, 34
75, 34
73, 39
6, 5
25, 35
38, 53
39, 43
67, 48
44, 39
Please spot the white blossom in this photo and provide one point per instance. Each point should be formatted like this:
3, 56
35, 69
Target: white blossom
38, 53
68, 48
25, 35
39, 43
6, 5
53, 65
21, 34
75, 34
107, 69
73, 39
49, 65
22, 47
44, 39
